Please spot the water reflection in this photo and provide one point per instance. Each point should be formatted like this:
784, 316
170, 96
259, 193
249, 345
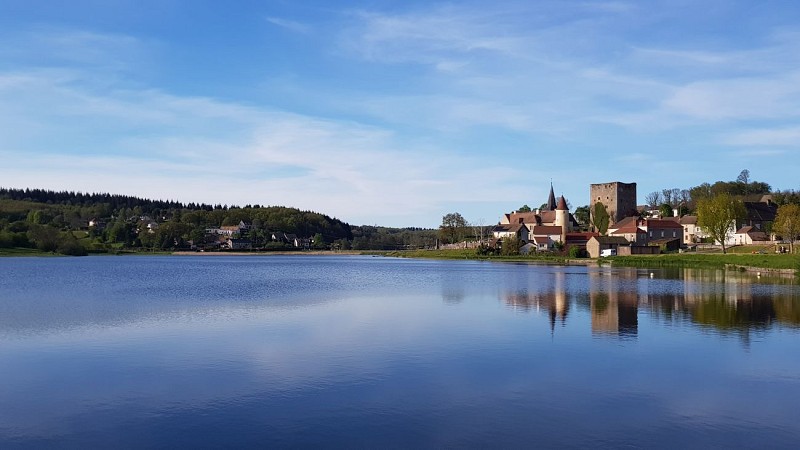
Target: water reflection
725, 302
552, 299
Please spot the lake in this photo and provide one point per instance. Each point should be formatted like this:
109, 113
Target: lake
356, 351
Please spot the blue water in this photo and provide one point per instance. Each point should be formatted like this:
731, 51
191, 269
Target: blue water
306, 351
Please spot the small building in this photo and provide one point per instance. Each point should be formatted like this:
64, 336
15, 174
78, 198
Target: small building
97, 224
239, 244
511, 230
596, 244
662, 229
760, 214
692, 233
749, 235
632, 234
666, 244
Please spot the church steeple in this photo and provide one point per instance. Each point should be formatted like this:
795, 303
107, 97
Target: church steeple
551, 200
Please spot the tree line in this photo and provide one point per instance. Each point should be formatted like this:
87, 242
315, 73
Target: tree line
58, 221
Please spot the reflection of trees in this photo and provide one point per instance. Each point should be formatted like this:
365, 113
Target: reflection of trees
728, 302
718, 312
787, 311
453, 296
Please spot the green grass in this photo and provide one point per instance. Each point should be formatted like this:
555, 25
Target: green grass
694, 260
711, 261
20, 251
469, 254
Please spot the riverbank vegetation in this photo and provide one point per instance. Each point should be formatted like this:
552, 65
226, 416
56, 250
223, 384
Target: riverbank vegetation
701, 261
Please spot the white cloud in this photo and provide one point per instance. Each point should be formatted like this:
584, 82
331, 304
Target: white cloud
771, 137
745, 98
290, 25
154, 144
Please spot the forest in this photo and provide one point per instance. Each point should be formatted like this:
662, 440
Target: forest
60, 222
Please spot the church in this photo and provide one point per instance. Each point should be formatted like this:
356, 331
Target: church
541, 228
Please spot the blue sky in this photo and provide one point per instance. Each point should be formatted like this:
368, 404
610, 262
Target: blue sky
396, 112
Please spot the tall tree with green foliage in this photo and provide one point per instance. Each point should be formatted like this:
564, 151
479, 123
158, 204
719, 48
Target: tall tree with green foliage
524, 208
582, 214
666, 210
600, 218
716, 215
787, 222
510, 246
453, 228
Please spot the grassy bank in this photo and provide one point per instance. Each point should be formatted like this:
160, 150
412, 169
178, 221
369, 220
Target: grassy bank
700, 261
711, 261
473, 255
21, 251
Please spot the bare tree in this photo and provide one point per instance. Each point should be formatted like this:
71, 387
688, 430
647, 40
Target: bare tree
744, 177
686, 196
675, 194
667, 196
653, 199
480, 230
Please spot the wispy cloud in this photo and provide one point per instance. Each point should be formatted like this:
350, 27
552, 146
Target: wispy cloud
290, 25
771, 137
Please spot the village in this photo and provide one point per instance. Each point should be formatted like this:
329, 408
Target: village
632, 229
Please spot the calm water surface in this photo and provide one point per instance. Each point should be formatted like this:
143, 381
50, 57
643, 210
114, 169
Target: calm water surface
374, 352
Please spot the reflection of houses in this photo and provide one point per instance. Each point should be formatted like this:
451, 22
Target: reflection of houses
554, 301
614, 302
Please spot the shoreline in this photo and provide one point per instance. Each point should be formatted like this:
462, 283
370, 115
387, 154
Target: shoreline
277, 253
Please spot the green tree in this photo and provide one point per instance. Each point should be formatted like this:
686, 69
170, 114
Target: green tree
524, 208
453, 228
68, 245
510, 246
600, 218
716, 214
319, 241
787, 222
582, 214
665, 210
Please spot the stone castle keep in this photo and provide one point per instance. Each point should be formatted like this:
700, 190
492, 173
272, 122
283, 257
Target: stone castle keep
618, 198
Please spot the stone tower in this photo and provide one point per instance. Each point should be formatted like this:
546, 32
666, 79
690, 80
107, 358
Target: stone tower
562, 218
618, 198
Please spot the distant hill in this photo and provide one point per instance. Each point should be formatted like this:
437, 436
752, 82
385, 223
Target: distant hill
42, 218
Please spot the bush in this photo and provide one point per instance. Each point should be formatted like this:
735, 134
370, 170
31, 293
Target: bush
485, 250
72, 249
510, 246
576, 252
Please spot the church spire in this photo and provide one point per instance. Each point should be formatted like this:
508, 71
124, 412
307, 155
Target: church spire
551, 200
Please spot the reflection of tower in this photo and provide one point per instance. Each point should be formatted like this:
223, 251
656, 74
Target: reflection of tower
560, 304
614, 306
